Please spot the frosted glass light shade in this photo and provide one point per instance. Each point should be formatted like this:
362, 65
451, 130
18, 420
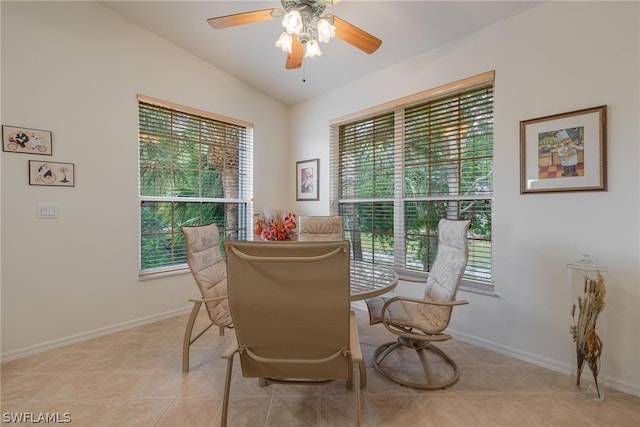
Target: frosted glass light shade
292, 22
284, 42
326, 31
313, 49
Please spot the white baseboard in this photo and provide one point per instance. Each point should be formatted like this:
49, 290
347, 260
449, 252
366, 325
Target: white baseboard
534, 359
84, 336
554, 365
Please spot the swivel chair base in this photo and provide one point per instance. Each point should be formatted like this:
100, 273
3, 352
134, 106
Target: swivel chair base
421, 347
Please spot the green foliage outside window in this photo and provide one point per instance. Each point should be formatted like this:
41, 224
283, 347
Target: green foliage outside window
190, 174
400, 172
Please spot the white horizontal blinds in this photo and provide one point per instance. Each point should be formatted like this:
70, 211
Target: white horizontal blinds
334, 169
193, 170
448, 165
449, 143
395, 172
367, 158
366, 187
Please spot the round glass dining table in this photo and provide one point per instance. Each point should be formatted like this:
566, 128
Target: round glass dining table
370, 280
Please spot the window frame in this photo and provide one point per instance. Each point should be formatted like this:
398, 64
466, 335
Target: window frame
244, 190
399, 197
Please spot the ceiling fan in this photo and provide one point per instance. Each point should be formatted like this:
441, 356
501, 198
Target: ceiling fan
304, 26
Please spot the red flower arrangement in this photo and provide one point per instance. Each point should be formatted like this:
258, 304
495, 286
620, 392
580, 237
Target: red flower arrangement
271, 225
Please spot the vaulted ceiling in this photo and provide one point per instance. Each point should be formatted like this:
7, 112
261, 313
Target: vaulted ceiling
248, 52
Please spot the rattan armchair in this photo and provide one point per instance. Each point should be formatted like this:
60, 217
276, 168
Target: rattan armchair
319, 228
419, 323
209, 270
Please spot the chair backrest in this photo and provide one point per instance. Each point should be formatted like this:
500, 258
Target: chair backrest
319, 228
209, 269
290, 308
447, 270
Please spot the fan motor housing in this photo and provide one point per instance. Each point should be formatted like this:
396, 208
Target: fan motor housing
317, 6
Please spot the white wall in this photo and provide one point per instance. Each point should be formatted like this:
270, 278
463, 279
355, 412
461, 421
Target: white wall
558, 57
75, 68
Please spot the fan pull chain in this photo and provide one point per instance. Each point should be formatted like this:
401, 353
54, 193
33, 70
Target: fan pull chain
304, 73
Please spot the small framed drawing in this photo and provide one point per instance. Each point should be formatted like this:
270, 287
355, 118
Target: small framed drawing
51, 173
307, 180
24, 140
564, 152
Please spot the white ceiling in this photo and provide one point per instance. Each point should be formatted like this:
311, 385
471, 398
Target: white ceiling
248, 52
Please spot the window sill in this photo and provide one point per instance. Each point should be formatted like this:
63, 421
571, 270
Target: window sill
159, 273
481, 288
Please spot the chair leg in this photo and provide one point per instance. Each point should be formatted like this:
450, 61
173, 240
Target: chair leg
421, 348
357, 387
227, 388
363, 374
187, 336
425, 366
384, 350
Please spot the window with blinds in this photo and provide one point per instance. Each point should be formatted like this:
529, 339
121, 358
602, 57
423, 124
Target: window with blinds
194, 168
397, 169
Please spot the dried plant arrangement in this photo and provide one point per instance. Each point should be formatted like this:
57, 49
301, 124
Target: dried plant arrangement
584, 326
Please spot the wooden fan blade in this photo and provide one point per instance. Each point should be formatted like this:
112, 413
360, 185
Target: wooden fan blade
294, 59
354, 35
242, 18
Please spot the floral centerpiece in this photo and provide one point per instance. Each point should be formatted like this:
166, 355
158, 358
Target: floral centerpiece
583, 330
272, 225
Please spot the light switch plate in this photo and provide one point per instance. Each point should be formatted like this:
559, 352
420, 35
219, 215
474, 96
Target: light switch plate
47, 211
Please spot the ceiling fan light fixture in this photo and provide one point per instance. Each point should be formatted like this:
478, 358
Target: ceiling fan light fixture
284, 42
326, 31
305, 27
292, 22
313, 49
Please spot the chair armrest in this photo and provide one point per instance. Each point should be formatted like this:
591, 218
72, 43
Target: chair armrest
421, 301
231, 350
406, 331
208, 299
354, 339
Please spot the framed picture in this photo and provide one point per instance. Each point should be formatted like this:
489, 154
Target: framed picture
564, 152
307, 180
24, 140
51, 173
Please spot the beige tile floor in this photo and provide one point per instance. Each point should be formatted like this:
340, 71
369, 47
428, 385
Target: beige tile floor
134, 378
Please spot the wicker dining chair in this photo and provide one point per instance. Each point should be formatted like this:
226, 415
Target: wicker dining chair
319, 228
419, 323
209, 270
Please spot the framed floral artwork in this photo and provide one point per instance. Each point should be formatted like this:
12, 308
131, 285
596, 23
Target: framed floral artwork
564, 152
51, 174
25, 140
307, 180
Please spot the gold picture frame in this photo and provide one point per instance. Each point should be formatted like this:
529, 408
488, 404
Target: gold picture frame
564, 152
